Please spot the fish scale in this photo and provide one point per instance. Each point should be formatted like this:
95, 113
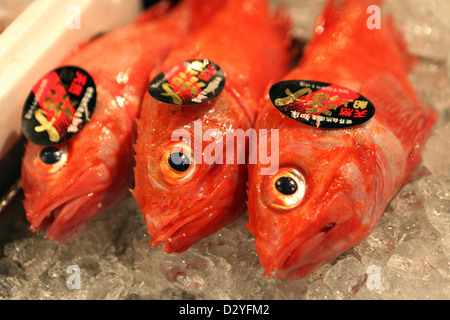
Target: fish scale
350, 174
251, 45
98, 169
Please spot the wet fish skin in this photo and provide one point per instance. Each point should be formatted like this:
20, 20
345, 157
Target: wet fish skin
350, 174
251, 47
98, 166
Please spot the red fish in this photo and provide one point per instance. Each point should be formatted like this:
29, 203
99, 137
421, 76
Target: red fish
333, 185
183, 204
67, 185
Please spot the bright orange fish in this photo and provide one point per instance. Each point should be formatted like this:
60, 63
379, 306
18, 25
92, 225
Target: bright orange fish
190, 198
333, 185
68, 184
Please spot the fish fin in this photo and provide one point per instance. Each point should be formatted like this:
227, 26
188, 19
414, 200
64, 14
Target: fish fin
400, 111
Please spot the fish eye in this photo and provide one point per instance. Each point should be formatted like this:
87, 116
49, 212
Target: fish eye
50, 155
53, 158
177, 164
285, 190
286, 186
180, 162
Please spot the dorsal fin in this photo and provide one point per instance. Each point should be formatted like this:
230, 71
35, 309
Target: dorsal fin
402, 113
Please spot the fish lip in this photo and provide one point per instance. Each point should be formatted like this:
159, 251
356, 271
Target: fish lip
65, 211
219, 213
306, 246
303, 249
284, 266
50, 216
278, 263
167, 236
44, 215
291, 272
217, 225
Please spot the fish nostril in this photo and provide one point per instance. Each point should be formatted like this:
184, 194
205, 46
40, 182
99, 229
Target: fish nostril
328, 227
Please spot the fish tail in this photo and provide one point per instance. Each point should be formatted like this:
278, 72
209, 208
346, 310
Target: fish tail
250, 11
202, 10
338, 10
362, 33
255, 11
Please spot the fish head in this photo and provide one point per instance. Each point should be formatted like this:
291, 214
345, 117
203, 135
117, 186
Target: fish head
66, 185
316, 205
184, 194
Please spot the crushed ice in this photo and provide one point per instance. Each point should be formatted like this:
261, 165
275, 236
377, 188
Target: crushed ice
406, 257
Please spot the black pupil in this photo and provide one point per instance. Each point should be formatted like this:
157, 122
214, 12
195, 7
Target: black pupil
50, 155
286, 186
179, 161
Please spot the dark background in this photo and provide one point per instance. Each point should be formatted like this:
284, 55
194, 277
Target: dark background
148, 3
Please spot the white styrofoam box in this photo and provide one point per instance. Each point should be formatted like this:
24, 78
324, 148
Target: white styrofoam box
37, 41
10, 9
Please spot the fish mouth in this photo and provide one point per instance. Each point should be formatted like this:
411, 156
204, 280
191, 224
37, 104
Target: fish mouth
314, 244
298, 259
68, 219
65, 215
182, 236
201, 220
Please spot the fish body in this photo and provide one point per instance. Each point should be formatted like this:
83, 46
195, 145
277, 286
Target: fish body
95, 168
182, 207
333, 185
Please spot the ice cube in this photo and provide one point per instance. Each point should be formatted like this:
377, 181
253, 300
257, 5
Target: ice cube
424, 26
347, 277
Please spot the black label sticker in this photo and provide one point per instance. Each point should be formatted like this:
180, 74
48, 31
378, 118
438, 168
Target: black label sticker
188, 83
321, 105
60, 104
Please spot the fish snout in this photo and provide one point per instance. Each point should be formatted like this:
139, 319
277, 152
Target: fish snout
301, 243
66, 202
179, 219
